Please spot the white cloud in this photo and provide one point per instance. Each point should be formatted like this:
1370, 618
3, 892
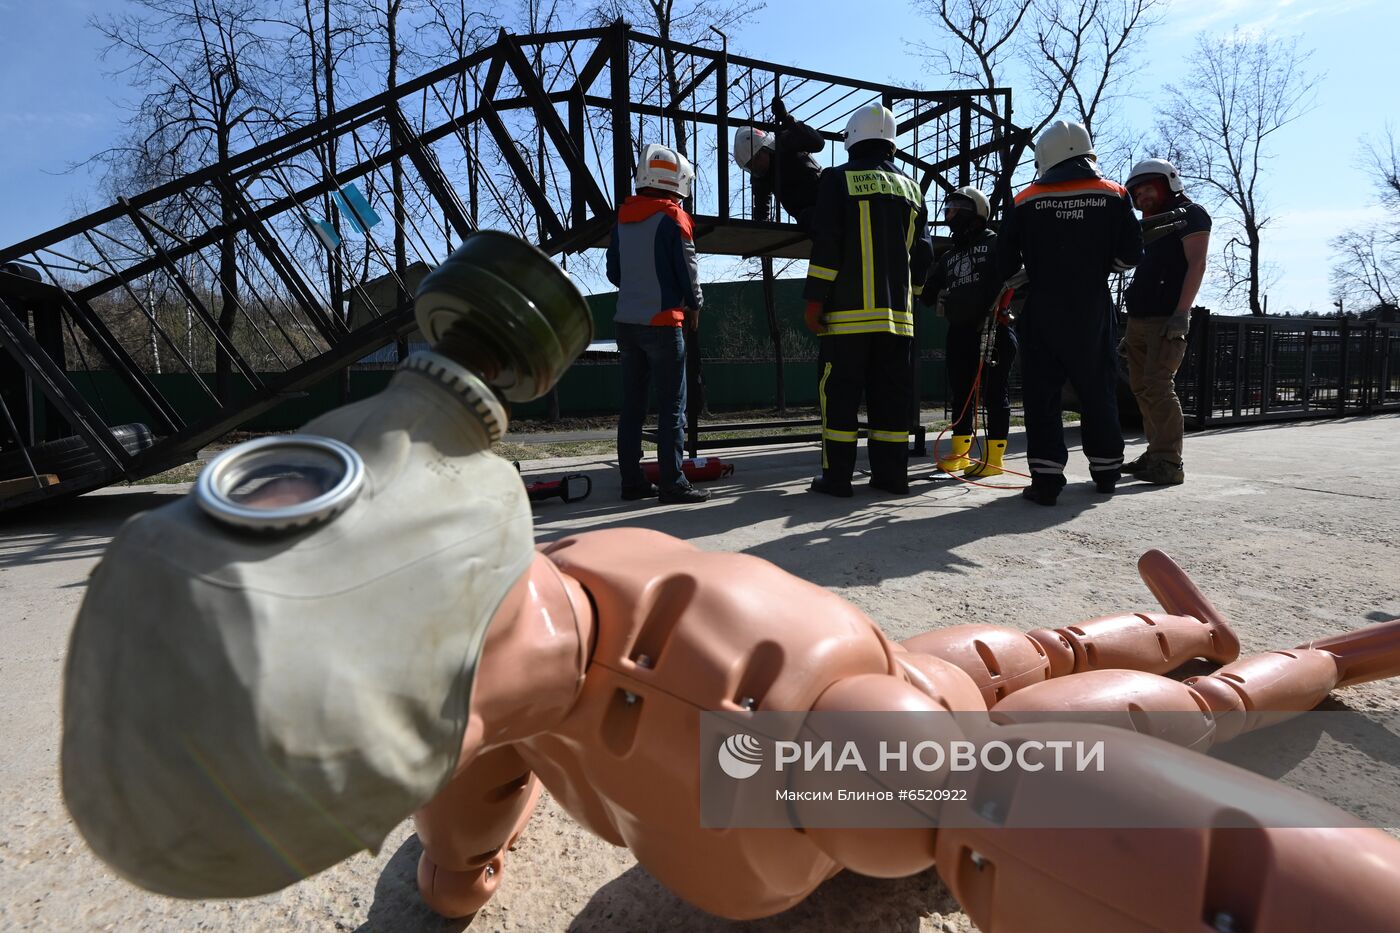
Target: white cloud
1193, 16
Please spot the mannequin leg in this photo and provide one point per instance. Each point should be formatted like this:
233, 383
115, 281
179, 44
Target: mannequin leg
467, 828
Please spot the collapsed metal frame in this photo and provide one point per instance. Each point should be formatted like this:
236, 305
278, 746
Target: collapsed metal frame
265, 273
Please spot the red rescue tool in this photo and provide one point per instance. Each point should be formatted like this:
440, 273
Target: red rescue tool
699, 470
570, 488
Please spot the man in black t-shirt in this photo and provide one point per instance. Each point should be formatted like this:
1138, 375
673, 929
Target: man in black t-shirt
1159, 304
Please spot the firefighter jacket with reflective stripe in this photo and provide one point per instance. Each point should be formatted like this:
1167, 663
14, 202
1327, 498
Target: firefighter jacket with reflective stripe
870, 248
1072, 228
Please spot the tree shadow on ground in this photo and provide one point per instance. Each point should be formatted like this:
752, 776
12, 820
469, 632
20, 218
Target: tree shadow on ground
1275, 750
635, 901
834, 542
74, 529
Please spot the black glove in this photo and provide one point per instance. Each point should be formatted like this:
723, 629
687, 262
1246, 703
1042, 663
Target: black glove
780, 114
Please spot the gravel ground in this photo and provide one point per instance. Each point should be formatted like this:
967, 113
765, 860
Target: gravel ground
1290, 529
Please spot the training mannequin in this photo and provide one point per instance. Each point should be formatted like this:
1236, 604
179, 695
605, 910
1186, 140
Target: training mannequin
314, 661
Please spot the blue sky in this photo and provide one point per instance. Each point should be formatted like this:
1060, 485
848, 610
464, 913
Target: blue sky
58, 107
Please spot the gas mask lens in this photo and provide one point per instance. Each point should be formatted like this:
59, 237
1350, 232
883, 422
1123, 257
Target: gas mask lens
959, 217
280, 483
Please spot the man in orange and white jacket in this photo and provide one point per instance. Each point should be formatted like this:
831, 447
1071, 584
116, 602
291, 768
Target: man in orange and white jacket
652, 261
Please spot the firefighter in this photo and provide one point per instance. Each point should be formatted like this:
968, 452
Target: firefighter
1072, 228
1159, 315
965, 275
870, 255
781, 163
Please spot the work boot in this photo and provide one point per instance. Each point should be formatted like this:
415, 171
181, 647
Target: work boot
1133, 467
992, 465
1040, 495
957, 459
829, 487
642, 490
682, 493
1163, 473
1105, 486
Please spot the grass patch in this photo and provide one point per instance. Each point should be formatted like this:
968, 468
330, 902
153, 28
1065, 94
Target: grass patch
549, 451
185, 473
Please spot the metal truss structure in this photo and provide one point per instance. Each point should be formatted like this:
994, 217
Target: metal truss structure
248, 281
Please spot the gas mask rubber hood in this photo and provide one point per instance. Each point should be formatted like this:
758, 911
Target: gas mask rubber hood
244, 709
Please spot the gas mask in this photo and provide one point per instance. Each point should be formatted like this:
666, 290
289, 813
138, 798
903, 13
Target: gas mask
269, 675
962, 221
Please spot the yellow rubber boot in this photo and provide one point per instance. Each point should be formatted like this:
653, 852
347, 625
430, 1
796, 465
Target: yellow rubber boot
957, 460
992, 465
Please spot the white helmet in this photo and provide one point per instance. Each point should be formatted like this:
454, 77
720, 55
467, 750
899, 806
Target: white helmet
1062, 140
664, 168
871, 121
748, 141
1149, 167
978, 199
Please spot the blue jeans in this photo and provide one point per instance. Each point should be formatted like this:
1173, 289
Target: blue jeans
651, 357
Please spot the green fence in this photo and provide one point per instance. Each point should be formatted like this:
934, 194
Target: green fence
735, 343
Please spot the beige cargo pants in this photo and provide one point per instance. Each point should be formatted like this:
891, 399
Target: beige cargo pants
1152, 364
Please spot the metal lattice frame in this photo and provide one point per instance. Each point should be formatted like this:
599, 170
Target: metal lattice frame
236, 264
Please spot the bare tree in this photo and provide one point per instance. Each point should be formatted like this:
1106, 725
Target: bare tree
1383, 161
1082, 56
1080, 53
208, 89
540, 16
985, 32
455, 29
459, 27
1219, 125
687, 21
385, 18
1367, 268
325, 35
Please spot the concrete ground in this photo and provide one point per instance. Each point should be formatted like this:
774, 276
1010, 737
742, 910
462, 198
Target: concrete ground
1291, 529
